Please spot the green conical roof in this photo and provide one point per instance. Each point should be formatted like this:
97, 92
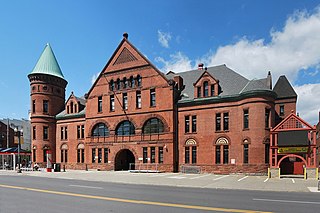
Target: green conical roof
48, 64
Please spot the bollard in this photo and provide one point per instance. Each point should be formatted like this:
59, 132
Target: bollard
86, 167
318, 185
64, 168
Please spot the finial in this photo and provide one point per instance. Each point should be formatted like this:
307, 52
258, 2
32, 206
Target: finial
125, 35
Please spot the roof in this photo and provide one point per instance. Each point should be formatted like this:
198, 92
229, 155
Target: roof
231, 83
284, 89
48, 64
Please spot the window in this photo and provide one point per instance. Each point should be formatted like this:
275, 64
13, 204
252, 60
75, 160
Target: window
281, 110
45, 132
152, 97
138, 99
100, 104
186, 124
111, 85
153, 126
93, 156
100, 130
45, 155
125, 83
118, 84
218, 154
61, 133
45, 106
266, 152
64, 156
34, 133
33, 106
212, 90
194, 154
99, 155
106, 153
246, 119
64, 133
187, 155
218, 121
67, 109
245, 153
34, 155
71, 107
160, 155
139, 80
145, 154
153, 154
125, 101
82, 131
80, 153
205, 89
78, 132
125, 128
132, 81
111, 102
225, 154
194, 123
226, 121
198, 92
266, 119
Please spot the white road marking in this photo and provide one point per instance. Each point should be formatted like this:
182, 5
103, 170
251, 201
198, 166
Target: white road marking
90, 187
243, 178
287, 201
221, 177
313, 189
293, 181
177, 177
200, 176
266, 180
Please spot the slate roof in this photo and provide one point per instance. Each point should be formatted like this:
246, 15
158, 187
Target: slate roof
231, 83
284, 89
48, 64
64, 115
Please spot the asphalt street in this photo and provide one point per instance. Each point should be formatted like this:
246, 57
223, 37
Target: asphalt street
21, 193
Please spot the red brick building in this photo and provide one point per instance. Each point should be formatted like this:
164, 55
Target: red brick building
135, 117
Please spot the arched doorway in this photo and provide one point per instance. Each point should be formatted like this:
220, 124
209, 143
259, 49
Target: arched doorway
123, 160
292, 165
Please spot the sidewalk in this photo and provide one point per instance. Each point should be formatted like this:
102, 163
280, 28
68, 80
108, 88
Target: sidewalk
183, 180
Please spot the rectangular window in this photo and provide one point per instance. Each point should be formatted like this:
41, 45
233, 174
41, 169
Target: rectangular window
160, 155
199, 92
245, 153
218, 121
125, 101
82, 155
65, 132
106, 153
266, 119
138, 99
93, 156
225, 154
145, 154
194, 123
111, 102
34, 132
78, 132
99, 155
226, 121
45, 132
186, 124
82, 131
45, 155
152, 97
187, 155
34, 157
212, 90
61, 133
45, 106
218, 155
281, 110
246, 119
78, 155
194, 155
66, 155
153, 154
33, 106
266, 152
100, 104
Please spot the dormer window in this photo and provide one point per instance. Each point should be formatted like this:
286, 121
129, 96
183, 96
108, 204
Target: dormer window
205, 89
212, 89
71, 107
198, 92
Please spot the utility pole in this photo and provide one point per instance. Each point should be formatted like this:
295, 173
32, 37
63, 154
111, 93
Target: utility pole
8, 133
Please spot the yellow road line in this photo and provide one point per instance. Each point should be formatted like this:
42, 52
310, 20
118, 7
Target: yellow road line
134, 201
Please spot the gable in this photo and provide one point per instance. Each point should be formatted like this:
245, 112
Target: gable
206, 77
292, 122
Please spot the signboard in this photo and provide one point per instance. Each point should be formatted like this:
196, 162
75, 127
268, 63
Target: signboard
285, 150
293, 138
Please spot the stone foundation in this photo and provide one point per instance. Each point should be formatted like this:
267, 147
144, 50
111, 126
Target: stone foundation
311, 173
274, 172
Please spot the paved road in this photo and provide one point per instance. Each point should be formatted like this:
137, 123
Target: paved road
22, 193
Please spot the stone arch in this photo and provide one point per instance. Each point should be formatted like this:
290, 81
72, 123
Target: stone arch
291, 155
191, 142
116, 123
222, 139
64, 146
166, 127
80, 146
95, 123
246, 140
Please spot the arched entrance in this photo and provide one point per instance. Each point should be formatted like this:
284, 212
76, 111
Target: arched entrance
292, 165
123, 160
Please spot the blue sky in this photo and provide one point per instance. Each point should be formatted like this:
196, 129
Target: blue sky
251, 37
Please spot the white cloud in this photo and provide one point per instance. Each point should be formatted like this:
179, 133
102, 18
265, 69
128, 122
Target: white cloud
94, 77
178, 62
293, 49
164, 38
308, 104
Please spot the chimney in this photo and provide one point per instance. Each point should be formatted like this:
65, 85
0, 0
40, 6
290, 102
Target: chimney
269, 80
179, 80
200, 66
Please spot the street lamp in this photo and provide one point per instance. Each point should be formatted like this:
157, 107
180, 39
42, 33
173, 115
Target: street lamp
18, 134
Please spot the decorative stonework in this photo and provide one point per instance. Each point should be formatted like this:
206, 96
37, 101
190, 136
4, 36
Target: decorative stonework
125, 57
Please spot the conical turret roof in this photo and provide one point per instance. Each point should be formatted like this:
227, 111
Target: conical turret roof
48, 64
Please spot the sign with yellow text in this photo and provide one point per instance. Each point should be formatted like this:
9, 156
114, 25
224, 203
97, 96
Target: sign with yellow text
285, 150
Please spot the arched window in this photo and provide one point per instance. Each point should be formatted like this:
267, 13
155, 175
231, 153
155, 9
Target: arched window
205, 89
132, 81
152, 126
139, 79
112, 85
80, 153
118, 84
64, 153
125, 83
125, 128
100, 130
